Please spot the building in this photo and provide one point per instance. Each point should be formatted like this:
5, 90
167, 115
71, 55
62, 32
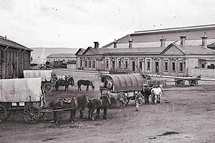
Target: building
59, 60
14, 58
156, 52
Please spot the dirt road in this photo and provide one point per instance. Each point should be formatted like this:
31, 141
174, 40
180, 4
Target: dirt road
185, 114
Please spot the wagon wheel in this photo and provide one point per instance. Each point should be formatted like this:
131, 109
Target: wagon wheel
182, 83
122, 100
177, 83
139, 98
193, 82
8, 111
31, 114
3, 113
41, 115
48, 87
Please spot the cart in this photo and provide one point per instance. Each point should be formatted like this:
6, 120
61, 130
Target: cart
23, 95
125, 87
193, 81
47, 77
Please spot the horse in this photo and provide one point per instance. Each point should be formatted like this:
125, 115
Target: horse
86, 83
146, 92
97, 104
69, 104
64, 82
156, 94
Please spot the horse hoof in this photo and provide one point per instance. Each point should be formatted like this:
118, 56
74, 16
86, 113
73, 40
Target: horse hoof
105, 118
92, 119
72, 122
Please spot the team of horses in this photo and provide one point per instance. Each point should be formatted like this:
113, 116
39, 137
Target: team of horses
68, 80
80, 103
151, 94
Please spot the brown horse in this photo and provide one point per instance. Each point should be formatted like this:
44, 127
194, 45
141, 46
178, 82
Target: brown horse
102, 102
69, 104
86, 83
61, 82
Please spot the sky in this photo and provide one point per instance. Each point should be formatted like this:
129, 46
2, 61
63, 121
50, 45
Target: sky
79, 23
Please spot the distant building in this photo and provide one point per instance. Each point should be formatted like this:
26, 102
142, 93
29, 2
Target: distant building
14, 58
171, 51
63, 59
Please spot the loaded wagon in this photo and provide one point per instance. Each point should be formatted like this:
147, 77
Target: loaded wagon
125, 87
21, 95
47, 77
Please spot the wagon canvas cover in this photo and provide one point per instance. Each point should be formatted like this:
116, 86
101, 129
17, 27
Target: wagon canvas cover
43, 74
127, 82
20, 90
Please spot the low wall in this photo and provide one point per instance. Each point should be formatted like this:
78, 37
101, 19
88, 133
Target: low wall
203, 72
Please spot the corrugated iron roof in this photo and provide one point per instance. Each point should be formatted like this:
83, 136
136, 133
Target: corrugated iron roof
6, 42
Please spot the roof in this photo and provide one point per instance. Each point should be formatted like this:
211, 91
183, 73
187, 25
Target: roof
188, 28
62, 55
6, 42
144, 50
197, 50
187, 50
80, 50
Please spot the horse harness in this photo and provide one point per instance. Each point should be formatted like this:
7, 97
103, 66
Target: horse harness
68, 101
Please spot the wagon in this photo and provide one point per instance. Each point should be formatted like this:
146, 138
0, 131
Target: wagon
193, 81
23, 95
125, 87
48, 80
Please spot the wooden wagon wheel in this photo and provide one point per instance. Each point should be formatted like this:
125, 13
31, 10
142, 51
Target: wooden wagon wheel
3, 113
48, 87
122, 100
182, 83
193, 82
31, 114
139, 98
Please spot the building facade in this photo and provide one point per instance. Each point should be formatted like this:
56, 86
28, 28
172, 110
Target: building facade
57, 60
14, 58
175, 58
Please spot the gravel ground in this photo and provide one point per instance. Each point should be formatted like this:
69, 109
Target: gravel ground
185, 115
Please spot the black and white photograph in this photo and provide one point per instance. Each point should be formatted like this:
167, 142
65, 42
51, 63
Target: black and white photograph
107, 71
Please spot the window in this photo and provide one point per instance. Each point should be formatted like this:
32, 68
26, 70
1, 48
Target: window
203, 66
85, 64
119, 63
89, 63
126, 64
113, 64
166, 65
107, 64
81, 63
173, 66
94, 64
141, 65
181, 67
148, 64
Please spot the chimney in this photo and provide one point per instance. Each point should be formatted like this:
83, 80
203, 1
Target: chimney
183, 38
96, 45
5, 37
115, 44
162, 40
130, 43
204, 40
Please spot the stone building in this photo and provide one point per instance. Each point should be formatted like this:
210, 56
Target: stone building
166, 54
14, 58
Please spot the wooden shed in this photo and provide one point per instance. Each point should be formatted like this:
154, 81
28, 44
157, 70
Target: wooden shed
14, 58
